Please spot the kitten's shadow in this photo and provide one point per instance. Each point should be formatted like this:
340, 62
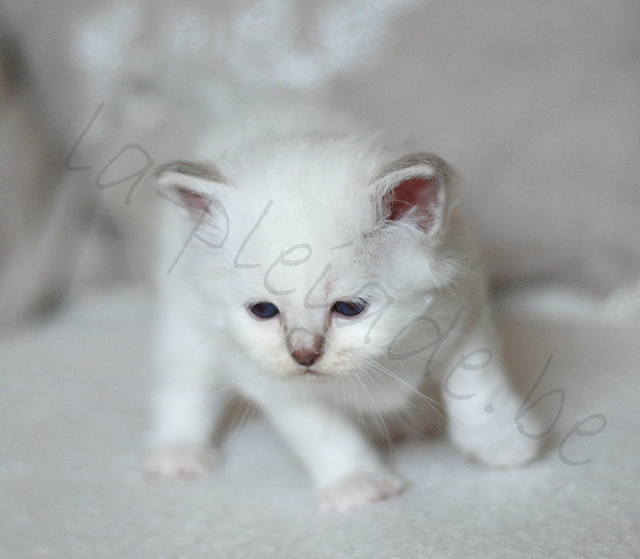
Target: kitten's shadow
237, 413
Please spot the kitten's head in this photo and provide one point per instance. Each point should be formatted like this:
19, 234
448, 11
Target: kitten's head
317, 251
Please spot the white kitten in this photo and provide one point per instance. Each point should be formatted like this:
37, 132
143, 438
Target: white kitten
324, 275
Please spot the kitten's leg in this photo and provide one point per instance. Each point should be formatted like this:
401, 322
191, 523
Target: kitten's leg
482, 405
346, 469
186, 404
180, 439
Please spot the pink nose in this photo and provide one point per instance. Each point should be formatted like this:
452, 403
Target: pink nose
305, 356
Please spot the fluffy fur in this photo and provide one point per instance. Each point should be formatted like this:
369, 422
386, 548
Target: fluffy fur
308, 218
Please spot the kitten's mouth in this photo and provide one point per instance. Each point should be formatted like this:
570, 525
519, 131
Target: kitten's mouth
313, 374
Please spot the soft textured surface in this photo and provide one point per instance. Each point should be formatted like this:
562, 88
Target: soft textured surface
73, 420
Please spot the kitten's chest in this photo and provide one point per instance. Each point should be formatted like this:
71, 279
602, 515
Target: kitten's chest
374, 390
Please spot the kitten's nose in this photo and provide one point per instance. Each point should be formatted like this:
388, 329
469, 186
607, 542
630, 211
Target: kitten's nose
305, 356
304, 346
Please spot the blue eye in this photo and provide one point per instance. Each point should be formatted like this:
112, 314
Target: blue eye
349, 308
264, 309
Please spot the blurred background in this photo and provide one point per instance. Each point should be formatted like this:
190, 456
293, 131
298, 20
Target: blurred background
536, 103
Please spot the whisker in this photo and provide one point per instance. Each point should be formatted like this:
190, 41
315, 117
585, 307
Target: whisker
376, 367
396, 414
373, 403
362, 422
249, 409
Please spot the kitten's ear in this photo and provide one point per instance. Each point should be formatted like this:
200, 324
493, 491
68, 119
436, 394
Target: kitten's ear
414, 189
194, 183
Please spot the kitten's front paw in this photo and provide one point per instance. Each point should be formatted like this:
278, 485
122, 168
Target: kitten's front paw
357, 490
509, 448
517, 451
180, 461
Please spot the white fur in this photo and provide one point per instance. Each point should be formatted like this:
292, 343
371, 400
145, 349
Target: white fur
313, 199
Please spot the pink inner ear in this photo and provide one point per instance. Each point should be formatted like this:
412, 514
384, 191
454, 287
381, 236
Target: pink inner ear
421, 193
195, 203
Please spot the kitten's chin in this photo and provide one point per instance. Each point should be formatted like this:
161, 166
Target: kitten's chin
313, 374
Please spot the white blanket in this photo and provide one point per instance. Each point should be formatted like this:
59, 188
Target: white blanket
73, 420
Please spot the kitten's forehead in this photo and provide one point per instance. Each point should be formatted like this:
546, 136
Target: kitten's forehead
300, 261
303, 191
299, 212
